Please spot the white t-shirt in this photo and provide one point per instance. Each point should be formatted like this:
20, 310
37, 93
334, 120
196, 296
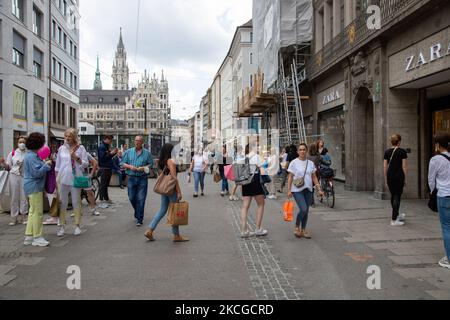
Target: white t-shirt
199, 161
297, 168
64, 164
16, 162
254, 161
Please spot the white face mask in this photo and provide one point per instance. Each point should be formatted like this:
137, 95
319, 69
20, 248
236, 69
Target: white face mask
22, 146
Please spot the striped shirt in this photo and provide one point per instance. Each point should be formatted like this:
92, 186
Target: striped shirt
143, 159
439, 175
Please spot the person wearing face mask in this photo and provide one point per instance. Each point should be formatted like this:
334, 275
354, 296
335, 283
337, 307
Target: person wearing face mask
14, 164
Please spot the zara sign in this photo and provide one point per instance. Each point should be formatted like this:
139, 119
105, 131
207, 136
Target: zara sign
422, 59
331, 97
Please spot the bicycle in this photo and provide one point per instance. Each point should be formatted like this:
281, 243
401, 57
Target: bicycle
95, 188
327, 185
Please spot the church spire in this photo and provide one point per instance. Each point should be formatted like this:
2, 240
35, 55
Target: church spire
98, 80
120, 45
162, 75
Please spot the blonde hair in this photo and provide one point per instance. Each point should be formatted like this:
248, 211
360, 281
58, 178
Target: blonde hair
73, 133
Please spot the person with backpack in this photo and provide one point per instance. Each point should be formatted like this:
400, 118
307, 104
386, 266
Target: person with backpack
439, 178
395, 173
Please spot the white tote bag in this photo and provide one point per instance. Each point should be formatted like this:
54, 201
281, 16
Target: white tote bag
4, 191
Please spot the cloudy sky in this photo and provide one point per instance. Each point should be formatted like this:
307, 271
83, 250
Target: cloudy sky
187, 38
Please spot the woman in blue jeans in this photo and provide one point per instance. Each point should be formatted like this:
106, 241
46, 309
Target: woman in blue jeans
198, 168
167, 166
439, 178
302, 169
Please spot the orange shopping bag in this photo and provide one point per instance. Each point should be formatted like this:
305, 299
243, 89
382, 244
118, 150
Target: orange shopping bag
288, 211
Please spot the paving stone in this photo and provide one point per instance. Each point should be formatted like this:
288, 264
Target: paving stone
6, 268
439, 294
26, 261
6, 278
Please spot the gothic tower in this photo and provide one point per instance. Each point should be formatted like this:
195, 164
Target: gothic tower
120, 73
98, 80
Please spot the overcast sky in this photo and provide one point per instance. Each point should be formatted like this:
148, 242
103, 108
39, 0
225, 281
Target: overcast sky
187, 38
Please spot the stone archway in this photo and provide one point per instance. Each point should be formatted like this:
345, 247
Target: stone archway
363, 157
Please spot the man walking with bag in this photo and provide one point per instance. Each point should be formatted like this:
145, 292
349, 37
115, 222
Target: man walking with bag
136, 161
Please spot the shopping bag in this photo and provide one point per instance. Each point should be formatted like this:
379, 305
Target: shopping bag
178, 214
229, 172
288, 211
4, 182
54, 208
217, 177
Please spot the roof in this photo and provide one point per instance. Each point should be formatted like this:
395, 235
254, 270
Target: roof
107, 96
179, 123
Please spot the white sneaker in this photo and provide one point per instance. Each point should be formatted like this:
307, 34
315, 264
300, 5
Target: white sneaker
40, 242
397, 223
51, 221
61, 232
72, 214
247, 234
444, 263
28, 240
261, 232
402, 217
272, 196
95, 213
103, 205
77, 231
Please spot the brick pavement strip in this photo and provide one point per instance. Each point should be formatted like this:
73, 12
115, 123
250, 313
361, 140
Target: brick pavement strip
269, 278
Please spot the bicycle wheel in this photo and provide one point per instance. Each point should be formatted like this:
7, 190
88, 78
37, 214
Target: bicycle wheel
330, 195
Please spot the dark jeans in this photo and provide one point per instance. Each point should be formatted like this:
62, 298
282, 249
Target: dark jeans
137, 193
395, 203
105, 179
303, 200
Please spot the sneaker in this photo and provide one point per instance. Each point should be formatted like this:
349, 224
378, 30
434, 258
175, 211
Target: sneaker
195, 195
444, 263
72, 214
28, 240
273, 197
402, 217
51, 221
397, 223
40, 242
109, 202
24, 221
138, 224
247, 234
61, 232
77, 231
261, 233
13, 222
202, 194
103, 205
222, 194
94, 212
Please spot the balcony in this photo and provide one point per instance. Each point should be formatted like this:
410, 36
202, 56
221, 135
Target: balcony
357, 34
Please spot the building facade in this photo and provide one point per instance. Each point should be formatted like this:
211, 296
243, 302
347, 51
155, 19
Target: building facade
371, 83
24, 70
65, 68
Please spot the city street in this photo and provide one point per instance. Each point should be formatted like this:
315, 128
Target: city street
117, 262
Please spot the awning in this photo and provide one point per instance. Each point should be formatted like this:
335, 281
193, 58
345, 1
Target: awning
57, 134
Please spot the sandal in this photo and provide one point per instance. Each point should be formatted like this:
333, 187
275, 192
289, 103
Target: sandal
149, 235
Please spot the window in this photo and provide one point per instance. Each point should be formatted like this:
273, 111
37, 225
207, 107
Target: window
71, 48
17, 9
130, 116
90, 115
75, 84
18, 50
59, 71
59, 36
59, 4
72, 117
251, 58
54, 111
54, 67
65, 9
65, 75
54, 30
251, 37
37, 22
65, 42
130, 125
19, 103
251, 81
141, 125
153, 125
38, 108
100, 115
37, 63
81, 115
74, 51
71, 83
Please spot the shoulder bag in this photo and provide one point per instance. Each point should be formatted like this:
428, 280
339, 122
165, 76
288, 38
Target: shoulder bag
242, 173
165, 184
432, 203
300, 182
80, 182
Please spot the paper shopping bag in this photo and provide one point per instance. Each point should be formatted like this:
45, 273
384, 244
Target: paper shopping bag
178, 214
217, 177
229, 172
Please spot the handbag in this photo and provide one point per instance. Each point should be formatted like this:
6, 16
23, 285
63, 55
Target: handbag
81, 182
300, 182
178, 214
242, 176
265, 179
228, 170
165, 184
50, 181
432, 202
217, 177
